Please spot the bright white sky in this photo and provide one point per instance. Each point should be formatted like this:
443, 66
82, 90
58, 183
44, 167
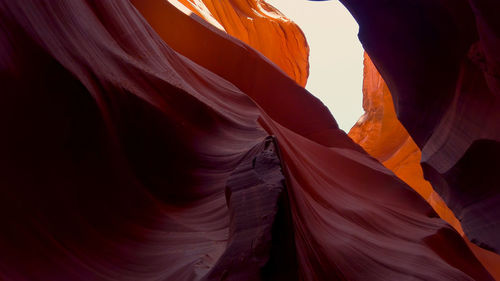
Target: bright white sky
336, 55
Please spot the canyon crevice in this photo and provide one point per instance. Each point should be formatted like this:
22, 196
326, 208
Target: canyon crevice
144, 143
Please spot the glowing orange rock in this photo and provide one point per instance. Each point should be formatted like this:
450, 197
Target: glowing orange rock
441, 62
381, 134
264, 28
230, 59
125, 160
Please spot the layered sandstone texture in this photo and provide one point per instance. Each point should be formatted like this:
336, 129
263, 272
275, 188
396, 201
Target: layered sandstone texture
381, 135
441, 63
142, 143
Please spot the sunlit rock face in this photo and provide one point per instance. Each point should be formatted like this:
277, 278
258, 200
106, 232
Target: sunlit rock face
381, 135
440, 60
261, 26
144, 144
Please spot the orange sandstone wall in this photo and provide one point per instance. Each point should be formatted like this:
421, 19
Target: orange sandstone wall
440, 61
378, 131
263, 27
381, 134
265, 88
123, 159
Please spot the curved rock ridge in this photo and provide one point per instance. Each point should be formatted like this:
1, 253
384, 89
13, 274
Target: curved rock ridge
261, 26
441, 60
131, 154
381, 135
229, 58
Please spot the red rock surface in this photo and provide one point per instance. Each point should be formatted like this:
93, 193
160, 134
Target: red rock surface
137, 148
440, 61
381, 135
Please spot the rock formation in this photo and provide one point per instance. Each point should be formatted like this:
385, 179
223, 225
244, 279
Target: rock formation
141, 143
440, 62
381, 135
261, 26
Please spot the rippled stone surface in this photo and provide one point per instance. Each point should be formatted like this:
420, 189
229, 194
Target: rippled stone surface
135, 139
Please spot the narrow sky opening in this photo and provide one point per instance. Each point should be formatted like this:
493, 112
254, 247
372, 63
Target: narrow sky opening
336, 55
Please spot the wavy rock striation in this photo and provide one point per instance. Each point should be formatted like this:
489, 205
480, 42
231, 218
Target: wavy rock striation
137, 148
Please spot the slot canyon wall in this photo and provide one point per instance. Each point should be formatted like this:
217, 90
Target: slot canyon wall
381, 134
142, 143
441, 64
